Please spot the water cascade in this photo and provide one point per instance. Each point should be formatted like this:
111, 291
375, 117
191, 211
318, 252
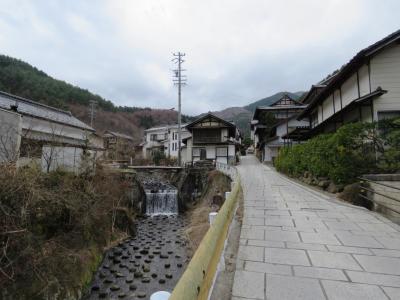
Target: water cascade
161, 198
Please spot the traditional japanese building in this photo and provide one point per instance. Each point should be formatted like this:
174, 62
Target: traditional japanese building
271, 124
366, 89
212, 138
35, 133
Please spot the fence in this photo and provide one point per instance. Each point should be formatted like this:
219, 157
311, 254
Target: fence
198, 278
383, 194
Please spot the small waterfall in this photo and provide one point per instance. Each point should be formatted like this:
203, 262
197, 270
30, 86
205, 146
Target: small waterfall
161, 198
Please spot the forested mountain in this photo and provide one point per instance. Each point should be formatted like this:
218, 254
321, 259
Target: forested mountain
22, 79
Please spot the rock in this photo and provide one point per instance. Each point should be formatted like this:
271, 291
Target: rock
119, 275
129, 280
154, 275
121, 295
146, 268
323, 183
167, 266
179, 265
132, 287
161, 281
332, 188
103, 294
138, 274
146, 280
141, 295
108, 280
168, 275
114, 287
95, 288
164, 256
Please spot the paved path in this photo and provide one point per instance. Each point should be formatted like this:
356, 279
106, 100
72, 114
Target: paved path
297, 243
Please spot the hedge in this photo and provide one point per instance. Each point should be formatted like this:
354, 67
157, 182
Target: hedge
354, 149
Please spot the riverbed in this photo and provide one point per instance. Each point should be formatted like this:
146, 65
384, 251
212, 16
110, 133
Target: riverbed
153, 260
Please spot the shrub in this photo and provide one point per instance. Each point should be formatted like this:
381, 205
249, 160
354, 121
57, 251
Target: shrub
53, 227
354, 149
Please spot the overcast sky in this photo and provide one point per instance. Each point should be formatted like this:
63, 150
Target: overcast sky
237, 51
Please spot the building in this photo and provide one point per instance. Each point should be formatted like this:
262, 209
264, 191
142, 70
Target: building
32, 132
211, 138
118, 146
271, 125
366, 89
163, 139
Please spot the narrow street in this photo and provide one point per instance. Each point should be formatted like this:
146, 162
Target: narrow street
297, 243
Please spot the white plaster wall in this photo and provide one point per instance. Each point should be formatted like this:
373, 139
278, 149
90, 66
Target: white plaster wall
337, 101
363, 79
10, 135
210, 152
349, 90
33, 125
385, 72
327, 107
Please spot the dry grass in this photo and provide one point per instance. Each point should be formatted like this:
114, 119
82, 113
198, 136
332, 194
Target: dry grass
199, 224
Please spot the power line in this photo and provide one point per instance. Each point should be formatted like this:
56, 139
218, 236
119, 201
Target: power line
179, 80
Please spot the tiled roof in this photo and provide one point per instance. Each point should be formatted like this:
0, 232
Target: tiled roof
42, 111
117, 134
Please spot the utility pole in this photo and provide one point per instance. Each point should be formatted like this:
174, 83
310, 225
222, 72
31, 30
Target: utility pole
92, 104
179, 80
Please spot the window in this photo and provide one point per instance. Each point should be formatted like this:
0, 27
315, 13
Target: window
153, 137
207, 136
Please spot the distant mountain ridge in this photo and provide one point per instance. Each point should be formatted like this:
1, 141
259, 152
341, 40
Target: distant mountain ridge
242, 116
22, 79
271, 99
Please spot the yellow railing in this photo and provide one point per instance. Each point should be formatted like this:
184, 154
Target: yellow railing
197, 280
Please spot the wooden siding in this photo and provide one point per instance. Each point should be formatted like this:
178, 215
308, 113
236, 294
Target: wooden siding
385, 72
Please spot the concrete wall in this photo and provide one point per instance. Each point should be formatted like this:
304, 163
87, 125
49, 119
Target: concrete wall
10, 135
71, 159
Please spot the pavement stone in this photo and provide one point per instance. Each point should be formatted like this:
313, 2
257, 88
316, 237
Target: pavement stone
298, 243
286, 256
294, 288
248, 285
337, 290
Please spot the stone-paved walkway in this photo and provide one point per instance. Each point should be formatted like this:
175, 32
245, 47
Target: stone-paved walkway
297, 243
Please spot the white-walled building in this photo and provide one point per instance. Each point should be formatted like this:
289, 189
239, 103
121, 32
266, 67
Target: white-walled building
212, 138
366, 89
44, 135
271, 125
164, 139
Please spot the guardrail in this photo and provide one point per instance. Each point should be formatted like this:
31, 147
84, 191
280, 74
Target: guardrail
198, 278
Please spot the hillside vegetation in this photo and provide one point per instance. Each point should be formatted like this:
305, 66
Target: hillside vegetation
22, 79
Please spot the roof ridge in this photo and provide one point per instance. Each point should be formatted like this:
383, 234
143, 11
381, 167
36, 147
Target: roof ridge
19, 98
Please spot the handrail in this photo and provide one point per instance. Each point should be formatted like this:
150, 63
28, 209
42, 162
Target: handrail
379, 203
380, 194
379, 183
198, 277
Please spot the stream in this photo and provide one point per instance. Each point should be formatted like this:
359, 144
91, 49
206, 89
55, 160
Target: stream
151, 261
